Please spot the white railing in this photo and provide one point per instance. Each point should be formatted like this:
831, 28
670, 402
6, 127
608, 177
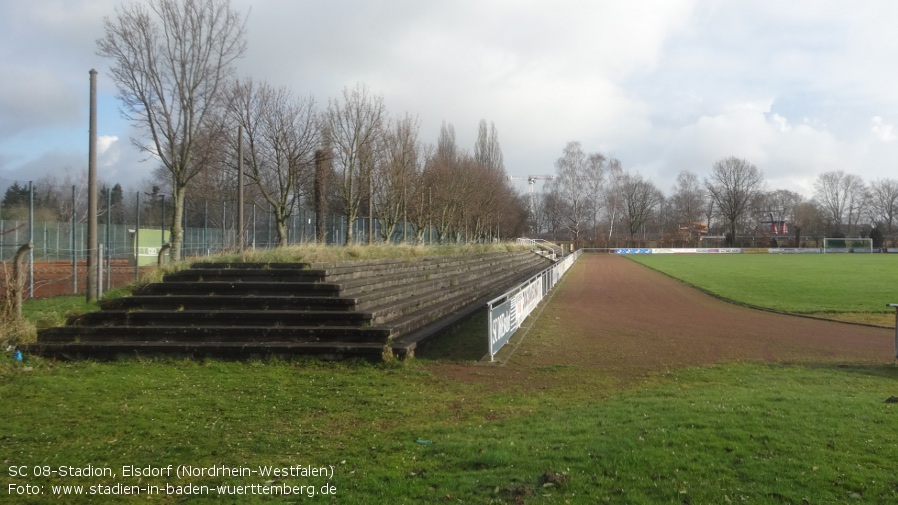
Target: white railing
508, 311
549, 249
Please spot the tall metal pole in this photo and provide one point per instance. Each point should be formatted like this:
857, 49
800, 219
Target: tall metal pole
162, 222
240, 188
206, 228
74, 248
370, 209
404, 211
224, 225
31, 239
92, 260
107, 249
137, 238
184, 239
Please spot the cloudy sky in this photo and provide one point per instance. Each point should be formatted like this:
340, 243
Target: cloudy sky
798, 88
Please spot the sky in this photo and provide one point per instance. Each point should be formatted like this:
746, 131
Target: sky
797, 88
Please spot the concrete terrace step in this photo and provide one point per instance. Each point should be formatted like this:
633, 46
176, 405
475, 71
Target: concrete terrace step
325, 310
454, 300
229, 302
246, 275
239, 288
389, 305
222, 350
224, 317
345, 274
215, 333
452, 275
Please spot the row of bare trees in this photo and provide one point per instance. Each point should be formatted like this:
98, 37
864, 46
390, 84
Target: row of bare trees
173, 64
594, 200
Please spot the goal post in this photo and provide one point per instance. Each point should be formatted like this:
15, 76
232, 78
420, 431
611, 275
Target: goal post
847, 245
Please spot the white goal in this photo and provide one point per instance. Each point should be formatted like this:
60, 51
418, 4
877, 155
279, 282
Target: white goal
847, 245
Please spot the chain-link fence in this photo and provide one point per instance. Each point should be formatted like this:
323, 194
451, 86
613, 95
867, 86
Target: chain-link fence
132, 228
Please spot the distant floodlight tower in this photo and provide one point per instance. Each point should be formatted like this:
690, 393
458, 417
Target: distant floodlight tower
531, 181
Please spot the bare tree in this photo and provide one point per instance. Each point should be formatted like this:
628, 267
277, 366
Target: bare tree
839, 197
353, 126
552, 211
807, 220
594, 180
612, 194
569, 169
733, 184
395, 173
61, 203
687, 204
281, 135
320, 193
487, 150
641, 200
858, 205
884, 202
447, 149
170, 60
445, 185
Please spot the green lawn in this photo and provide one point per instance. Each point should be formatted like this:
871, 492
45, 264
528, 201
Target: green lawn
744, 433
801, 283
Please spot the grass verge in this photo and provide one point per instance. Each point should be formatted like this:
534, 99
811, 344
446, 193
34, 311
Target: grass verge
750, 433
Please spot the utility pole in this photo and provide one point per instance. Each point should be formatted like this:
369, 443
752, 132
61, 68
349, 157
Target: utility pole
92, 259
240, 188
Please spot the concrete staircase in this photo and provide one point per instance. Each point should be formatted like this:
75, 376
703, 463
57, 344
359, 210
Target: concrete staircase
371, 309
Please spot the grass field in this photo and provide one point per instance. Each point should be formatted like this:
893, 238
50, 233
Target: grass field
848, 286
408, 433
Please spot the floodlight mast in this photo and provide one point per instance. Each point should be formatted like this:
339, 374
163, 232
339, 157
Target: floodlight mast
531, 181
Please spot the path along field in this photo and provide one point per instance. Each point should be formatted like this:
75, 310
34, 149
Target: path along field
629, 321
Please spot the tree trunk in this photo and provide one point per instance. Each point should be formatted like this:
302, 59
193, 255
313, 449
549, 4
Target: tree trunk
177, 230
320, 196
281, 224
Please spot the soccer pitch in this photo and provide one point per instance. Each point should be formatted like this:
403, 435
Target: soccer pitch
799, 283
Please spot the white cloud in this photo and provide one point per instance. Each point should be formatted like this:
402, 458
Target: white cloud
881, 130
663, 85
108, 150
782, 122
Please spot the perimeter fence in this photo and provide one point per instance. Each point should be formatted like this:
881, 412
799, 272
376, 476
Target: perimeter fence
132, 229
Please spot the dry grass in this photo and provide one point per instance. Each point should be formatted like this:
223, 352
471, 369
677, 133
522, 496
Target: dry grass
14, 330
314, 253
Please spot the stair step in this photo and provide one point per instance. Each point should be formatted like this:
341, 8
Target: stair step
192, 318
224, 350
222, 302
246, 275
238, 288
215, 333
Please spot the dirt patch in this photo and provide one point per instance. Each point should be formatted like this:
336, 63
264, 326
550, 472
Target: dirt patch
625, 321
54, 278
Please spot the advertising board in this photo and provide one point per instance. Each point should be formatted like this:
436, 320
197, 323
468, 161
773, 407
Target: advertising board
501, 326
